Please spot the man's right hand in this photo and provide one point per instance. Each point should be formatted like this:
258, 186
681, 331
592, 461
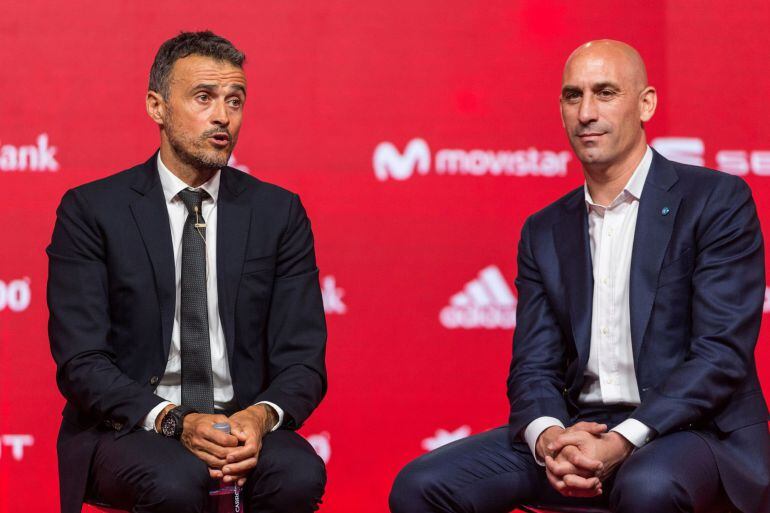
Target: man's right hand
209, 444
569, 471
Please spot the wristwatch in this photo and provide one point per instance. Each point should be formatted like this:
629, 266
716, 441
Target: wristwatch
173, 422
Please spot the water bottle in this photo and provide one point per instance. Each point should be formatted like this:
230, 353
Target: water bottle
224, 497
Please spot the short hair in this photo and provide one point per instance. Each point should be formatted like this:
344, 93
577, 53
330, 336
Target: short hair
204, 43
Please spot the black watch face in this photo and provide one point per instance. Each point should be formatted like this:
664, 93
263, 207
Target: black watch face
168, 426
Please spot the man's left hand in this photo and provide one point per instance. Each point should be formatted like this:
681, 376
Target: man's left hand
611, 449
249, 426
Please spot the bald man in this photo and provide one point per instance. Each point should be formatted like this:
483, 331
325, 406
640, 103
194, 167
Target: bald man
633, 385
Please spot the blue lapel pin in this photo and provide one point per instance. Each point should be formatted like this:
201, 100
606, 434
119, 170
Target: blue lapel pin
665, 211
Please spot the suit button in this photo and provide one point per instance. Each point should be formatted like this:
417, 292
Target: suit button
107, 423
117, 425
154, 380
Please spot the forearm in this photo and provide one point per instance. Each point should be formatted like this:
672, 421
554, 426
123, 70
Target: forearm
96, 386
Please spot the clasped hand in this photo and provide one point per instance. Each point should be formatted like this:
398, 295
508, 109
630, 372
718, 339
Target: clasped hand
578, 459
229, 457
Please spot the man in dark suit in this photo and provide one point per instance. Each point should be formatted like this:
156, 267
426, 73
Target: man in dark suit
184, 293
640, 300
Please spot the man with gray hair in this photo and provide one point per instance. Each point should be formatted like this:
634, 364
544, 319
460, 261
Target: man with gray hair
184, 293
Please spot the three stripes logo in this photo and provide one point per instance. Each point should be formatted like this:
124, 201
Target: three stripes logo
486, 302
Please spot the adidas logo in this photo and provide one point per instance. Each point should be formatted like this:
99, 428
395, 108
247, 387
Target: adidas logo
486, 302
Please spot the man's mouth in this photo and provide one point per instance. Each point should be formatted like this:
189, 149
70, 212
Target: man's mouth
220, 140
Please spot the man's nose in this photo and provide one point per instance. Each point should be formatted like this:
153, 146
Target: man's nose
587, 112
219, 115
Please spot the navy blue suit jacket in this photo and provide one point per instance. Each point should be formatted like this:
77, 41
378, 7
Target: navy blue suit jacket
696, 297
111, 294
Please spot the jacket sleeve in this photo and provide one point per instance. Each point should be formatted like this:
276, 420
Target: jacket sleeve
536, 378
728, 290
79, 322
296, 326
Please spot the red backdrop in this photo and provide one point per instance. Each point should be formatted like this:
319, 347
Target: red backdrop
419, 134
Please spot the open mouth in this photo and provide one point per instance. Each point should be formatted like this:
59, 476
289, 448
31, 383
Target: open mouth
220, 140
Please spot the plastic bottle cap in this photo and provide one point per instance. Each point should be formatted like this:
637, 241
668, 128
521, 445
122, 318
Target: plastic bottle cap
222, 426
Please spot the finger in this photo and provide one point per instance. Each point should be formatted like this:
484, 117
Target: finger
556, 483
204, 445
580, 460
241, 467
237, 428
576, 438
581, 483
241, 482
248, 450
241, 434
215, 473
559, 467
591, 427
208, 459
217, 437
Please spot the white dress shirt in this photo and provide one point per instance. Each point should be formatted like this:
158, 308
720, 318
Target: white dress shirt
609, 376
170, 386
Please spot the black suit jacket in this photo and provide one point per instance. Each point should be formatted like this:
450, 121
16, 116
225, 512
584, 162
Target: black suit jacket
111, 293
696, 295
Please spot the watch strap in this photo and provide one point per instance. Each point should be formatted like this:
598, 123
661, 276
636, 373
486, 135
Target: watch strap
178, 414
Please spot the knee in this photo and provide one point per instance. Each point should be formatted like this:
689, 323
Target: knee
414, 485
643, 489
175, 490
296, 487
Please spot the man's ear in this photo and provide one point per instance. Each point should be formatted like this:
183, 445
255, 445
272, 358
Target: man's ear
648, 101
156, 107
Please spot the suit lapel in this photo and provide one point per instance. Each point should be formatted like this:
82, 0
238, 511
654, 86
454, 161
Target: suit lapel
574, 251
233, 222
658, 208
151, 216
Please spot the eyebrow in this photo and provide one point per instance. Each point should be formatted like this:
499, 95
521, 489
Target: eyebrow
596, 87
212, 88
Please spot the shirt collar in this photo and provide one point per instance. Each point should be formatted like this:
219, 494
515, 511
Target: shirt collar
633, 187
172, 184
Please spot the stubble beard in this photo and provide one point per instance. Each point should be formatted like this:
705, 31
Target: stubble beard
191, 150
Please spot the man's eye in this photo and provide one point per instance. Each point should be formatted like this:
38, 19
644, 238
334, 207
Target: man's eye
606, 93
203, 97
571, 97
235, 102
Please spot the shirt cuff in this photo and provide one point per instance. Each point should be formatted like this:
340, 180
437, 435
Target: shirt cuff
278, 410
534, 429
634, 431
148, 423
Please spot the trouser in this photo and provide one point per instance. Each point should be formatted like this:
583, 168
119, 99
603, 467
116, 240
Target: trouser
486, 474
146, 472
